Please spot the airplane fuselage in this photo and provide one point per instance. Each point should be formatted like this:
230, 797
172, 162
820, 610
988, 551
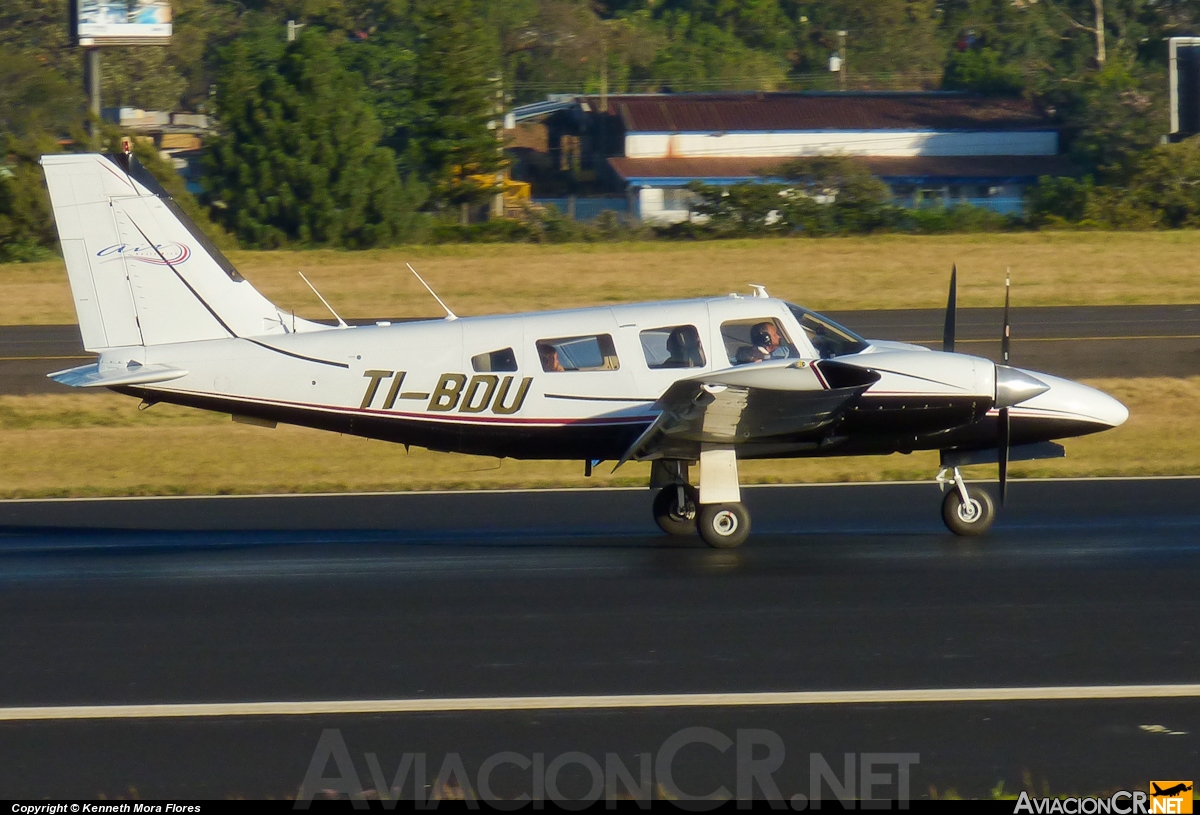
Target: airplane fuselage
480, 384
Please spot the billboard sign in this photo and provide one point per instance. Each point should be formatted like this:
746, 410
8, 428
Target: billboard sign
1184, 71
123, 22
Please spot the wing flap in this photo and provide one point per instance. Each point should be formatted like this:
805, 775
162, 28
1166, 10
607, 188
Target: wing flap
768, 402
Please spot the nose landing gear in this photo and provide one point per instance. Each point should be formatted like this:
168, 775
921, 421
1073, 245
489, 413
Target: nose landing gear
966, 510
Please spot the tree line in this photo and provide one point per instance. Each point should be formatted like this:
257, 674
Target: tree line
376, 125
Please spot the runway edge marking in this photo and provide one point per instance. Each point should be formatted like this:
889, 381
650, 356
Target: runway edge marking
650, 700
548, 490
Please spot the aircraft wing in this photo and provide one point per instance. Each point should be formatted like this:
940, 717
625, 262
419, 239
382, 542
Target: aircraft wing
768, 402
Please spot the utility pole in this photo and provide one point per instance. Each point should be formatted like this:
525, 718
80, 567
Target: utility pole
92, 73
498, 112
842, 54
603, 69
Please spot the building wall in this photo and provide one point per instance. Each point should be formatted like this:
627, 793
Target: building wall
854, 143
670, 205
655, 205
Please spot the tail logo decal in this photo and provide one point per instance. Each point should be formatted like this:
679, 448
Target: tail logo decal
174, 253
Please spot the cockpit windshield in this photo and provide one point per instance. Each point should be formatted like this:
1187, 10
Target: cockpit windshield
827, 337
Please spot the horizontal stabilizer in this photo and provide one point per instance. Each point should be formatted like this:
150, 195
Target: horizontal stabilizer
93, 376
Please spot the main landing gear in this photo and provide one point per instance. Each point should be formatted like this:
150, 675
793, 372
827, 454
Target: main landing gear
715, 510
966, 510
675, 509
724, 526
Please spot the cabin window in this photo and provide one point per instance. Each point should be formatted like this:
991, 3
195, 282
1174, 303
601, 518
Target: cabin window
594, 352
673, 346
502, 360
756, 340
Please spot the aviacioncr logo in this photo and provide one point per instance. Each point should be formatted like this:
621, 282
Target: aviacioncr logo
160, 254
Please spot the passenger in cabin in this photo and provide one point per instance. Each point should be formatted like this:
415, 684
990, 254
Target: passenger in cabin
819, 337
766, 344
683, 345
549, 356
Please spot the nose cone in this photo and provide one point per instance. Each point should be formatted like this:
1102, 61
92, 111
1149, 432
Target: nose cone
1073, 402
1107, 409
1014, 386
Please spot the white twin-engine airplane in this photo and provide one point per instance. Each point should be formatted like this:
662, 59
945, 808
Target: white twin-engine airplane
706, 381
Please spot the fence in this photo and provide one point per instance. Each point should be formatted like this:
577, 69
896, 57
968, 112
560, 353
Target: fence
585, 209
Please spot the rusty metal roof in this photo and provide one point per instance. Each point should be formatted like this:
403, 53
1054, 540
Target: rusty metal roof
677, 170
757, 112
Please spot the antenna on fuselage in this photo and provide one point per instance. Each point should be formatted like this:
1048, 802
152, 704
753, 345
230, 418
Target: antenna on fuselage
450, 315
341, 322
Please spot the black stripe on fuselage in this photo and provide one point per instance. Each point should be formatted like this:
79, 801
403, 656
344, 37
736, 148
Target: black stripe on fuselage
600, 398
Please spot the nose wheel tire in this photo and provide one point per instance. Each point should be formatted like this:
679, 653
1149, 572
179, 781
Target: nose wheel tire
673, 518
723, 526
972, 518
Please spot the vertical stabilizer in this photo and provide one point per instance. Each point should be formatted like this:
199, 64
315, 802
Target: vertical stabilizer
141, 272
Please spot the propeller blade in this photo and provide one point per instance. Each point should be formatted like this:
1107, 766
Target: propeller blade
1005, 425
951, 312
1002, 453
1007, 325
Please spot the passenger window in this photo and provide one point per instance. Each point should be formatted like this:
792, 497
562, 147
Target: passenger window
502, 360
673, 346
756, 340
591, 353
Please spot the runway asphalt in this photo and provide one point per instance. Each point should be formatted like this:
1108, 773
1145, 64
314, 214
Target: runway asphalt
435, 596
1070, 341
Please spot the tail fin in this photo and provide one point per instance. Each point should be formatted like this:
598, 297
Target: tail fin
141, 272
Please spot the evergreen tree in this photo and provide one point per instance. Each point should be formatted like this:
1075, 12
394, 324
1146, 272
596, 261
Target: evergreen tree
26, 225
1112, 117
298, 156
451, 137
37, 107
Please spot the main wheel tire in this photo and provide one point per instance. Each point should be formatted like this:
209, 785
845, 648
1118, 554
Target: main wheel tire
723, 526
670, 517
973, 518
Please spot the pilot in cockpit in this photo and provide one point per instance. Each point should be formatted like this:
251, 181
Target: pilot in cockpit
766, 344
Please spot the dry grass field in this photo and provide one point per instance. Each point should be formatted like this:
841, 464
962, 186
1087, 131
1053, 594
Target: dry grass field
889, 271
100, 444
